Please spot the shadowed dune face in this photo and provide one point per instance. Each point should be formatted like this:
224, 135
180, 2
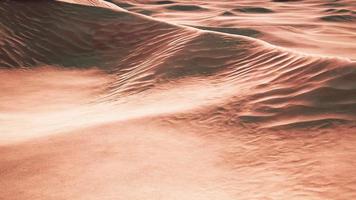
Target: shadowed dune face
101, 103
71, 35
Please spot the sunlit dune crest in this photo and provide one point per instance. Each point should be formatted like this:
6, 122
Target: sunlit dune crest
325, 28
196, 100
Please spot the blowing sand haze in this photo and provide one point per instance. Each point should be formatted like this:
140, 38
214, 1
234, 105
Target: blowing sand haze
188, 100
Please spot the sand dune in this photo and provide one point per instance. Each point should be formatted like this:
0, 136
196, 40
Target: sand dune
103, 103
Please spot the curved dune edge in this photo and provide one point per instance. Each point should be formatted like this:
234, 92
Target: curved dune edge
98, 3
314, 27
